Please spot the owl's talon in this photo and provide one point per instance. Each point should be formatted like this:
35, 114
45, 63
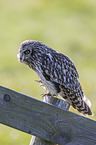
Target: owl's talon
38, 81
41, 85
45, 94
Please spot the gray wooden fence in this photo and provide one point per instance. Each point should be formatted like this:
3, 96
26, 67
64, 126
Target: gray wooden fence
51, 124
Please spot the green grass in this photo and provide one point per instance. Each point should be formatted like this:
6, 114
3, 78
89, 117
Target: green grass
67, 26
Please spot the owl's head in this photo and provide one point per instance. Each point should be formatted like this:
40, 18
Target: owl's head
28, 51
25, 51
32, 51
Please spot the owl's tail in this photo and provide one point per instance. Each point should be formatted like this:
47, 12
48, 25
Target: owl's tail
83, 106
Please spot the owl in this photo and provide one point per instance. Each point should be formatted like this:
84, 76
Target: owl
57, 73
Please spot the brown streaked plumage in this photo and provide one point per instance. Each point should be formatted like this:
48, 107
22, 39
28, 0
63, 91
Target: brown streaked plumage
56, 71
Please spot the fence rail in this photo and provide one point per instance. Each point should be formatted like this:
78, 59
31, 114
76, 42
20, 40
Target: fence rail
44, 120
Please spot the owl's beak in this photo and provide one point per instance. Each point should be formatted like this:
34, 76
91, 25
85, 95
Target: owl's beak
19, 57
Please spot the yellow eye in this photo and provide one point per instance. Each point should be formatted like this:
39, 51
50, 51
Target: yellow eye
27, 52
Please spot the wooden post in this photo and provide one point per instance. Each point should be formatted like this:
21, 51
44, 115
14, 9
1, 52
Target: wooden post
44, 120
58, 103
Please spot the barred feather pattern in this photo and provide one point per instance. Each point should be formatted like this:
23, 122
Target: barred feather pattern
56, 71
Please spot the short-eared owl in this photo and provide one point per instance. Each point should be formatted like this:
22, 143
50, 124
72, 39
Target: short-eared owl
56, 71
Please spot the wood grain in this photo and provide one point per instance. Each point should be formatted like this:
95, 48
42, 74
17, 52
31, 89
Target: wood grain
45, 120
56, 102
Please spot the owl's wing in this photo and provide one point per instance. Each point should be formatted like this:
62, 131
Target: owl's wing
59, 68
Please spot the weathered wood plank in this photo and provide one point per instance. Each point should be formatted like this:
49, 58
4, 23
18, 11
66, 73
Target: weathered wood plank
45, 120
56, 102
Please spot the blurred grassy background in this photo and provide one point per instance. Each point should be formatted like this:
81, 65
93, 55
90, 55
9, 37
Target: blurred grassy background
65, 25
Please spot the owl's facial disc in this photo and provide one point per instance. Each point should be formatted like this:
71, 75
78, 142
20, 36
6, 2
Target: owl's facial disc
24, 55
